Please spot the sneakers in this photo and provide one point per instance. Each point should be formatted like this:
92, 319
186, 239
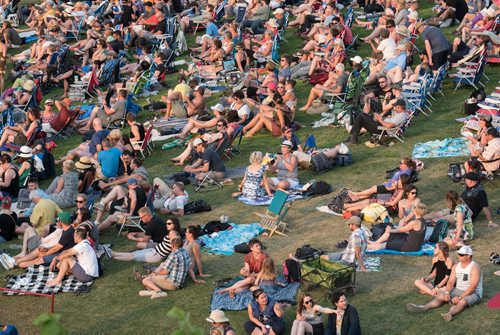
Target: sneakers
415, 308
446, 316
7, 261
146, 293
159, 294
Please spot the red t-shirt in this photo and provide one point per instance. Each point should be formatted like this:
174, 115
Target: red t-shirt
64, 115
255, 264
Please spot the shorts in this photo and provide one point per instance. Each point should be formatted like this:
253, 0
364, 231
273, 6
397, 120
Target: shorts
164, 283
439, 59
381, 189
277, 325
215, 175
294, 183
80, 274
337, 257
147, 255
472, 299
47, 259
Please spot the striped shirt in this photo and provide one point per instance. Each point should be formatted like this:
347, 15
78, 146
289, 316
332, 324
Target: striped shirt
163, 248
357, 239
177, 264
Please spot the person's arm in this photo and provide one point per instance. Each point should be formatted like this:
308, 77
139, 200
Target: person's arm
133, 202
266, 185
254, 319
278, 310
8, 178
243, 119
139, 237
428, 49
30, 129
383, 123
359, 257
475, 275
197, 258
60, 185
135, 132
324, 310
292, 165
395, 201
410, 226
459, 224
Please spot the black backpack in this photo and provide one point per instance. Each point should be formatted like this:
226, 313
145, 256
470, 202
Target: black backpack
318, 188
439, 232
214, 226
343, 159
320, 163
197, 206
291, 271
307, 252
49, 166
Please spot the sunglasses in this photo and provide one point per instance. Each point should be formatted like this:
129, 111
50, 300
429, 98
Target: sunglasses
381, 82
308, 301
281, 86
142, 217
79, 201
461, 255
219, 125
413, 192
170, 222
389, 27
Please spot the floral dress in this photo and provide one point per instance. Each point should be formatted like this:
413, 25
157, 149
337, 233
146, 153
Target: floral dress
251, 187
467, 226
66, 198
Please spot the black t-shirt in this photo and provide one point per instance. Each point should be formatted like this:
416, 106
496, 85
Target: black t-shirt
162, 26
475, 197
215, 163
127, 15
8, 225
66, 239
117, 45
157, 229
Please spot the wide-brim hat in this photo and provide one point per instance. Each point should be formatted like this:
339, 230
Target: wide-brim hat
29, 85
403, 31
272, 23
25, 152
217, 316
84, 163
317, 107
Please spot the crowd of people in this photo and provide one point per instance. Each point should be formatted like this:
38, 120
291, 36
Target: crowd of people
122, 49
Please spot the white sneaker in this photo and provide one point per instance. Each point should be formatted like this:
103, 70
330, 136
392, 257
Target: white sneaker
348, 127
343, 149
158, 295
9, 260
146, 293
2, 261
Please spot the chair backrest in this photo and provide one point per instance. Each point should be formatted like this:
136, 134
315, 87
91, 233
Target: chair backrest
147, 137
278, 202
100, 9
240, 13
310, 142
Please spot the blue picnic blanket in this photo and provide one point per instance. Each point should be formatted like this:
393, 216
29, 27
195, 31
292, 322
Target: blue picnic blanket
85, 111
242, 299
427, 250
223, 242
266, 200
449, 147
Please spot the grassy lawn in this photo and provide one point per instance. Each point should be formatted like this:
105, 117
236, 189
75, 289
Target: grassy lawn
114, 307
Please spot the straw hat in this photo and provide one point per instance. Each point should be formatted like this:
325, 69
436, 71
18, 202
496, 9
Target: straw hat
25, 152
84, 163
403, 31
317, 107
413, 15
29, 85
272, 23
217, 316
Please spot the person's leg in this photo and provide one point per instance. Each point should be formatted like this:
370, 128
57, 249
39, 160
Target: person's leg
252, 122
304, 327
376, 246
383, 238
29, 257
244, 283
357, 206
258, 126
424, 287
315, 92
64, 268
123, 256
283, 185
113, 218
150, 285
459, 307
53, 185
163, 190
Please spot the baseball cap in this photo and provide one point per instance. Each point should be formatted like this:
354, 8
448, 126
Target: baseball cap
131, 181
465, 250
279, 11
355, 220
49, 101
197, 141
471, 176
287, 143
217, 107
65, 217
356, 59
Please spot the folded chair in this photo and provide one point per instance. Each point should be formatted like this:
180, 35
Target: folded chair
146, 145
208, 180
135, 221
272, 220
396, 132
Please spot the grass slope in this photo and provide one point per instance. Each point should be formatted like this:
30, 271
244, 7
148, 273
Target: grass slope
114, 307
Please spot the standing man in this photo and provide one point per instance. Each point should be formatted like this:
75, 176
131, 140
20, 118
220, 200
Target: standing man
356, 246
345, 321
464, 288
436, 45
476, 198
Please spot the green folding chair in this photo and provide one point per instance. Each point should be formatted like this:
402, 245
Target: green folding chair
272, 220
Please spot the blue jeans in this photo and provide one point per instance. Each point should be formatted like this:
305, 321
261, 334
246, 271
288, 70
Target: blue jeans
256, 26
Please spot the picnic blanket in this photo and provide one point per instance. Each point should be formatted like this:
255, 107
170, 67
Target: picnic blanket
427, 250
494, 303
372, 264
266, 200
223, 242
242, 299
170, 123
449, 147
35, 278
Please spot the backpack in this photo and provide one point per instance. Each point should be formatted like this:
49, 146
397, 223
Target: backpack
318, 188
197, 206
439, 232
242, 248
379, 230
291, 271
49, 167
306, 252
337, 203
214, 226
343, 159
320, 163
456, 171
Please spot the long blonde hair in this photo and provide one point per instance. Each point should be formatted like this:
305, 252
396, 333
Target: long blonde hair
268, 270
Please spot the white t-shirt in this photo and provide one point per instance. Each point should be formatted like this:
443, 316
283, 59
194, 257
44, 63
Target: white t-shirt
388, 48
397, 118
244, 110
176, 203
87, 258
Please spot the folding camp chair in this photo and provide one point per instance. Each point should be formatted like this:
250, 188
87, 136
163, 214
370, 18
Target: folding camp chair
229, 150
207, 180
310, 143
146, 145
272, 220
75, 30
135, 221
396, 132
84, 87
471, 72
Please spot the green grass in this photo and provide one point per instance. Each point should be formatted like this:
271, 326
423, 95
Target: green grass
113, 305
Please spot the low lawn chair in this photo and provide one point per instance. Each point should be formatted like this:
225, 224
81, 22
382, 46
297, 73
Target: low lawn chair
208, 180
146, 145
135, 221
396, 132
272, 220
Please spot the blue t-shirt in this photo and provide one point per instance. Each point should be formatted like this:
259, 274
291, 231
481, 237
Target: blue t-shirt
109, 160
212, 30
97, 139
396, 61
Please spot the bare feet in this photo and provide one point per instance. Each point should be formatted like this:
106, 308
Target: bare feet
303, 109
231, 294
53, 282
236, 194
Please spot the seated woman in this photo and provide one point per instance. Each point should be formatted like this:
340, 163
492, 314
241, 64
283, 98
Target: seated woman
9, 177
479, 140
239, 105
265, 48
407, 238
214, 54
440, 271
86, 174
156, 254
266, 278
137, 131
388, 199
308, 318
25, 156
64, 189
192, 246
194, 124
241, 57
8, 220
406, 167
98, 55
273, 117
407, 205
265, 314
22, 132
459, 217
254, 184
328, 62
286, 165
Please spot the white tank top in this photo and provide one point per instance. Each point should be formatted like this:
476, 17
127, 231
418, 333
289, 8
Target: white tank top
463, 279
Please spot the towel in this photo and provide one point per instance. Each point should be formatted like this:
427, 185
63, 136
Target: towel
223, 242
449, 147
427, 250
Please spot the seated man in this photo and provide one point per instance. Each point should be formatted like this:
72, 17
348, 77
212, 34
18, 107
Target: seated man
154, 232
130, 203
175, 203
464, 288
43, 255
84, 268
109, 159
42, 216
208, 163
476, 198
108, 115
138, 171
371, 123
356, 246
170, 275
180, 105
490, 156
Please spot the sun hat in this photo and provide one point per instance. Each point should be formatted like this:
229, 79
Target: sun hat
491, 12
273, 23
465, 250
218, 108
84, 163
132, 181
49, 101
217, 316
279, 11
65, 217
68, 10
287, 143
317, 107
29, 85
418, 25
25, 152
197, 141
403, 31
355, 220
90, 19
356, 59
